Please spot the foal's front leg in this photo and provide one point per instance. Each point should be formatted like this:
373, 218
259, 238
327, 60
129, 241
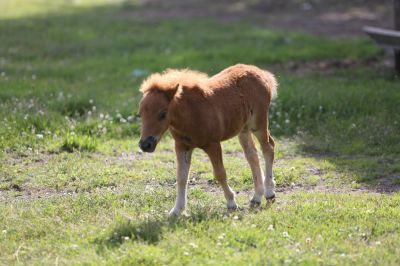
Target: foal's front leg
214, 151
183, 157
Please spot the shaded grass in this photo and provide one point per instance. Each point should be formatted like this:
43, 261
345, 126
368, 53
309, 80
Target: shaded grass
80, 74
73, 143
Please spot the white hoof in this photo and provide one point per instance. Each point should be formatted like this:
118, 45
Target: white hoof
231, 204
256, 198
269, 194
175, 212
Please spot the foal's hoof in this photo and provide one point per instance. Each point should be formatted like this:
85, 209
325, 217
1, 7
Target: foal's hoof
232, 206
270, 200
175, 212
254, 204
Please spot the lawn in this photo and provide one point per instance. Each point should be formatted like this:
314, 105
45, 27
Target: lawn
75, 189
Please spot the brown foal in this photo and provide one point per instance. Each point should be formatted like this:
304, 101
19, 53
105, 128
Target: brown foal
202, 111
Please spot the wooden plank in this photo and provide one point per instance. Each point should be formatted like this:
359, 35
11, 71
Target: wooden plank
384, 37
396, 9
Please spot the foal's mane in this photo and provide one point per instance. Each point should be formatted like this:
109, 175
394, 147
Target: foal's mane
171, 78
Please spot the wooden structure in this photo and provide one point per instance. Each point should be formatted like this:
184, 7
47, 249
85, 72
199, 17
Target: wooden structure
389, 38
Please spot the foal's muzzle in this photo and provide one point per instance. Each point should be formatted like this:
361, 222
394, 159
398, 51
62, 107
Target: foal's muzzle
148, 145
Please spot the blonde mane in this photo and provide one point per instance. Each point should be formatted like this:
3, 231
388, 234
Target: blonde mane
171, 78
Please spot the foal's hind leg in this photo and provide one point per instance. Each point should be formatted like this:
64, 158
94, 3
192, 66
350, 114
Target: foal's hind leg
267, 145
215, 153
251, 154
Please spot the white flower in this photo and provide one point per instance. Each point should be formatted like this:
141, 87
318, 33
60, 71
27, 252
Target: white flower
270, 227
130, 118
122, 120
89, 113
4, 231
308, 240
287, 121
39, 136
33, 76
306, 6
94, 108
285, 234
126, 238
101, 115
91, 101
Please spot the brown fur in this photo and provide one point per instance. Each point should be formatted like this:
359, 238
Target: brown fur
202, 111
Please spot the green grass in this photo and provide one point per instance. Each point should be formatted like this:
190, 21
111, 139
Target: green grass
75, 189
127, 228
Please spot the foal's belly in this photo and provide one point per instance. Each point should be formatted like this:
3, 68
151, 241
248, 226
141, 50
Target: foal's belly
202, 135
198, 129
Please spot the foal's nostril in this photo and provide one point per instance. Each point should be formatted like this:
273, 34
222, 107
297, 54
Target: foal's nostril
148, 145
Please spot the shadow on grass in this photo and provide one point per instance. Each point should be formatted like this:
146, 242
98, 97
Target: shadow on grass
350, 119
357, 170
150, 230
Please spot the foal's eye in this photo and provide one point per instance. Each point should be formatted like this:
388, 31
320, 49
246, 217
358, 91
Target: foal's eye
162, 115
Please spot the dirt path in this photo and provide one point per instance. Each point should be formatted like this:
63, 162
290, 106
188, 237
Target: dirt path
329, 18
383, 185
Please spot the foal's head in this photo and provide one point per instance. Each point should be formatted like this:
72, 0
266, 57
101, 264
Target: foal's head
158, 91
153, 110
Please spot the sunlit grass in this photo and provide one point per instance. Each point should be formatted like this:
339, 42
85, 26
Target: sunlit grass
12, 9
75, 189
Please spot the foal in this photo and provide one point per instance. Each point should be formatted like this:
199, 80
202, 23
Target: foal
202, 111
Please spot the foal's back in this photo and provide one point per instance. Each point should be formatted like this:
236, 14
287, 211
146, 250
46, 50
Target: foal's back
241, 97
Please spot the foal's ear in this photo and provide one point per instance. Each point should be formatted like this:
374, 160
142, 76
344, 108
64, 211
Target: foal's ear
173, 91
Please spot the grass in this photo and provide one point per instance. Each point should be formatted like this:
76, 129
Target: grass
73, 142
75, 189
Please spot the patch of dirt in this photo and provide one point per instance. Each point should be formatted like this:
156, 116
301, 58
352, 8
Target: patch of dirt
23, 194
329, 66
328, 18
28, 194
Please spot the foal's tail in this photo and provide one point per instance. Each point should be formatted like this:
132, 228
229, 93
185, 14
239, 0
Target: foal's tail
271, 82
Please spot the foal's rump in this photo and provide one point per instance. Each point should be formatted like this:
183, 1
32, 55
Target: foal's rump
248, 79
241, 97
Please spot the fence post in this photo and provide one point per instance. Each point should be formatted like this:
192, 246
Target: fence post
396, 10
